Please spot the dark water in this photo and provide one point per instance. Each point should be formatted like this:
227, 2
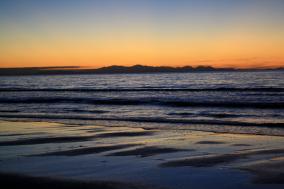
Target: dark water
243, 102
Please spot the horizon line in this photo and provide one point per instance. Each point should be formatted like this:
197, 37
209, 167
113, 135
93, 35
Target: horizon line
72, 67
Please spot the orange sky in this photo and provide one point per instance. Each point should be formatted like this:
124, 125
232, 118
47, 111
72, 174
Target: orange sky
237, 35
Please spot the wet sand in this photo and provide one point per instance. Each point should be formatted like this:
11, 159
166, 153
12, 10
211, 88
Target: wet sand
90, 150
126, 134
210, 142
267, 172
241, 145
46, 140
80, 156
213, 160
147, 151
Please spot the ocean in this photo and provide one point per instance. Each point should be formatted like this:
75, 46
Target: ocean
233, 102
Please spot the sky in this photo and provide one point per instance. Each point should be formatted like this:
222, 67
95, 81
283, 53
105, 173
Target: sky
97, 33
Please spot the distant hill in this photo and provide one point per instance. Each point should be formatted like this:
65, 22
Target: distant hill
71, 70
152, 69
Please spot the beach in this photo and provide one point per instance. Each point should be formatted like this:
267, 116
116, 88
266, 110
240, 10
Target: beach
118, 131
94, 156
142, 94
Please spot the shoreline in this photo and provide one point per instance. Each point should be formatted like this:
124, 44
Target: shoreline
145, 126
153, 157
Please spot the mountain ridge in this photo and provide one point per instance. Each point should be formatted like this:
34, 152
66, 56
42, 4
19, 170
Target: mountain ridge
116, 69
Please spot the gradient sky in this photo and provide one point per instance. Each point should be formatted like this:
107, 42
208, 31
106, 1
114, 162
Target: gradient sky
221, 33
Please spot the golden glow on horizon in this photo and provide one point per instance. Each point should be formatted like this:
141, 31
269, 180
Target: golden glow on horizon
139, 38
225, 51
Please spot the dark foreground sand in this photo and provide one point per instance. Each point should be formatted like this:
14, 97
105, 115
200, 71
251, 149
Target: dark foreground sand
76, 156
267, 172
16, 181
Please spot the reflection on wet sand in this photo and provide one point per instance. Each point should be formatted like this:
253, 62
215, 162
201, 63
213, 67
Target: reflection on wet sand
92, 152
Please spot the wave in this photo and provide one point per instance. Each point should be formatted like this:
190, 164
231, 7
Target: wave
36, 100
89, 111
145, 120
215, 115
9, 111
146, 101
258, 105
145, 89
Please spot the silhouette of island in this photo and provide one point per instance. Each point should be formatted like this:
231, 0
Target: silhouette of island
71, 70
